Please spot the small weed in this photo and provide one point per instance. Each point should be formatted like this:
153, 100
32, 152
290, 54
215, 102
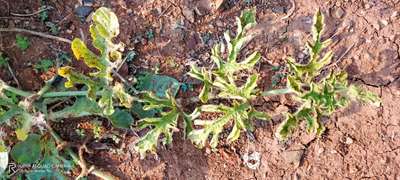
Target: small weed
276, 68
44, 15
53, 28
13, 97
43, 65
3, 60
80, 132
130, 56
149, 34
22, 42
97, 129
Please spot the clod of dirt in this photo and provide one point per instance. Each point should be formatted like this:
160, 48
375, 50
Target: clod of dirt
339, 13
188, 13
293, 157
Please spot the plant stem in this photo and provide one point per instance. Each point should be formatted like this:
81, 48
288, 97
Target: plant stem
64, 94
16, 91
45, 95
277, 92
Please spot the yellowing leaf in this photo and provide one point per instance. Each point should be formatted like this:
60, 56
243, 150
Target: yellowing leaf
21, 134
106, 23
124, 98
82, 52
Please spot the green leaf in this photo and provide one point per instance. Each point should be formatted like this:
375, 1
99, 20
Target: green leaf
28, 151
121, 119
286, 128
3, 60
239, 114
250, 61
82, 107
78, 78
363, 95
52, 165
254, 114
166, 125
137, 110
25, 124
106, 102
157, 84
14, 111
205, 77
248, 18
43, 65
22, 42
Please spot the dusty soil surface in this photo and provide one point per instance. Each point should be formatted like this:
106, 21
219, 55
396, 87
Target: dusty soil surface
361, 141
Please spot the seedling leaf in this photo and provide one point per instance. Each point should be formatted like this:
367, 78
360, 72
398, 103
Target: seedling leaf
22, 42
121, 119
28, 151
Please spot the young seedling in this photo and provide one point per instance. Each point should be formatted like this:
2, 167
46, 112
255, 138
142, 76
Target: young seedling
43, 65
104, 28
3, 60
22, 42
318, 95
53, 28
222, 83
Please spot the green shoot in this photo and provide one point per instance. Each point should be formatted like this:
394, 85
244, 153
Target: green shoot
3, 60
222, 83
43, 65
22, 42
318, 96
53, 28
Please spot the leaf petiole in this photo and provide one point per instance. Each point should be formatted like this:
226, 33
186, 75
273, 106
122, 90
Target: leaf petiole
277, 92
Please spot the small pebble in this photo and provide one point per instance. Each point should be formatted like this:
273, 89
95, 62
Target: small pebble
320, 150
339, 13
219, 23
349, 140
383, 23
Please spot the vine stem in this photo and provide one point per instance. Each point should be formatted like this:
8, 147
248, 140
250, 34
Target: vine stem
277, 92
45, 95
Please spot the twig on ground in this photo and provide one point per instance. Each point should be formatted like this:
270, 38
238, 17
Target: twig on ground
31, 14
40, 34
13, 75
291, 10
12, 17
